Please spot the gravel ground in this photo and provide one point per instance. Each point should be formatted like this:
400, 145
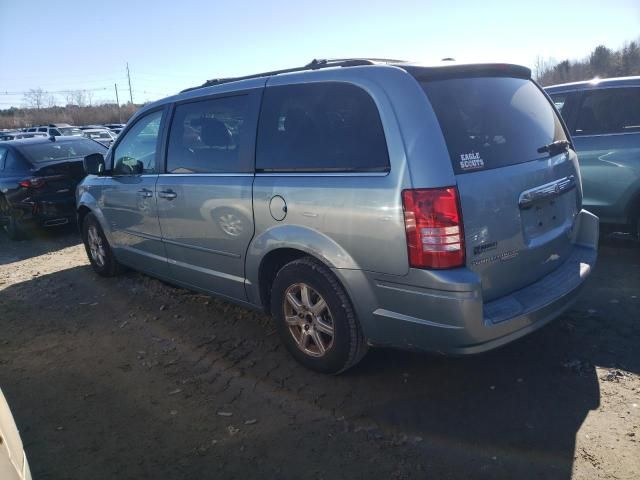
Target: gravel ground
130, 378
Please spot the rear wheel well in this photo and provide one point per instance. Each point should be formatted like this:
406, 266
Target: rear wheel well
270, 266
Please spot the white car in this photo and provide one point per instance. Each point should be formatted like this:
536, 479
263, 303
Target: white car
100, 135
13, 461
57, 129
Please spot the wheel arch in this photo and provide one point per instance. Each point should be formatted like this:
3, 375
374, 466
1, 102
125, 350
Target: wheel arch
280, 245
87, 204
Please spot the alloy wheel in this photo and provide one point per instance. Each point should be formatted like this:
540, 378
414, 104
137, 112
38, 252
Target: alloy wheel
308, 319
96, 246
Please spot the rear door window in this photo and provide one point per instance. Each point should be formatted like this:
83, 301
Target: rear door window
493, 122
207, 136
559, 99
609, 110
320, 127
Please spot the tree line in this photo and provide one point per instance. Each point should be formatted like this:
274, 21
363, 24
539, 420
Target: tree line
71, 113
602, 62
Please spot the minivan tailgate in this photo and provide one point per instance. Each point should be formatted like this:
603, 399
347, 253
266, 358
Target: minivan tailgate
516, 172
518, 221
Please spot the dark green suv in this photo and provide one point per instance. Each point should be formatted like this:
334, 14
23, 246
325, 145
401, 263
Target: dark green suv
603, 117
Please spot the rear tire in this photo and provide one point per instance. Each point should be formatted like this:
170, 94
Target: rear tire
314, 317
12, 227
100, 254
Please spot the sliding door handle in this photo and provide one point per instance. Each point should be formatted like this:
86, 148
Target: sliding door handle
167, 194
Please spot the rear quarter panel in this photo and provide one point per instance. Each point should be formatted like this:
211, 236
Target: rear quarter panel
360, 214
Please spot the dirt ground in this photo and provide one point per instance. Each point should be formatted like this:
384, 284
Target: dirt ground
129, 378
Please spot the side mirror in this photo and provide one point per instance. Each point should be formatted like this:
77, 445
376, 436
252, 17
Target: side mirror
94, 164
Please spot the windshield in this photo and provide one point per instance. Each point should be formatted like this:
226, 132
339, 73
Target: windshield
71, 131
47, 152
491, 122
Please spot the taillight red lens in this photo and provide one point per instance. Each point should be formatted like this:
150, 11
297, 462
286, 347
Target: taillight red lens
35, 182
433, 222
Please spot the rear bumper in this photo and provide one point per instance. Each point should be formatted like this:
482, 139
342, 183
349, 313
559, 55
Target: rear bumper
46, 213
444, 311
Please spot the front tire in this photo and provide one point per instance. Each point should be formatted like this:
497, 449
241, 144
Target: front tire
98, 249
315, 319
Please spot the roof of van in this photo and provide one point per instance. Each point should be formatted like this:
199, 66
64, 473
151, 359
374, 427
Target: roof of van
446, 67
594, 84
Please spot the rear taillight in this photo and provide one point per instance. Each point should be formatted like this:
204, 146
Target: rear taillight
33, 182
434, 228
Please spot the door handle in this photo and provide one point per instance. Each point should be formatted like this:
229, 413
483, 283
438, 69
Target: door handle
167, 194
146, 193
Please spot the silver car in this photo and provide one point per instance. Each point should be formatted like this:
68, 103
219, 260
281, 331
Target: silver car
359, 202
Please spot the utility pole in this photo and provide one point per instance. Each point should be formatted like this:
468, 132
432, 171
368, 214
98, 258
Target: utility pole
129, 77
115, 85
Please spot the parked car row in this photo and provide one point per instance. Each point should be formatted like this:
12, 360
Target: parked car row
104, 134
17, 135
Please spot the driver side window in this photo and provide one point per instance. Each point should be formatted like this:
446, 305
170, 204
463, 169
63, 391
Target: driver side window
138, 150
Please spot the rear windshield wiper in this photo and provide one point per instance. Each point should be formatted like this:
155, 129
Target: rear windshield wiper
555, 148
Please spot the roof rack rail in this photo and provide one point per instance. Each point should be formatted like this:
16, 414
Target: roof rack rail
315, 64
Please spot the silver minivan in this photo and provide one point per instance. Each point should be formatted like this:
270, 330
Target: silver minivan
359, 202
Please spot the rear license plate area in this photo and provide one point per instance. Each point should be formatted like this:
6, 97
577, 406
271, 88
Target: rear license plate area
548, 216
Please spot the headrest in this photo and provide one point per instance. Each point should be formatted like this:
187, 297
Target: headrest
297, 118
214, 133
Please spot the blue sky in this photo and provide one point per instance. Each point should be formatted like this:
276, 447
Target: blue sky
71, 45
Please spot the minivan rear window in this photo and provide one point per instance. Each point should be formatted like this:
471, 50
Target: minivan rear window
493, 122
